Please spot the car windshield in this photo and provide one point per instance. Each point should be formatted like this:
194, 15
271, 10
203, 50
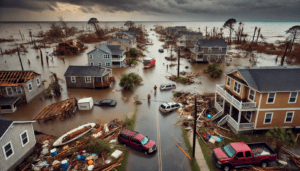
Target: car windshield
144, 141
162, 106
229, 151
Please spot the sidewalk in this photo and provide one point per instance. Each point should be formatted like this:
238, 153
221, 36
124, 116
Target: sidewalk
198, 154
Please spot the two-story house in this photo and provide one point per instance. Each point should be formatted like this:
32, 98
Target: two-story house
259, 98
18, 85
126, 41
188, 40
172, 31
209, 50
107, 56
17, 141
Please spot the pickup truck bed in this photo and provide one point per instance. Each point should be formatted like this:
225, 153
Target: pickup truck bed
261, 149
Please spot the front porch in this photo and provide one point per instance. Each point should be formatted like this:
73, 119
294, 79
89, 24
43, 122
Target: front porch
104, 82
118, 61
8, 104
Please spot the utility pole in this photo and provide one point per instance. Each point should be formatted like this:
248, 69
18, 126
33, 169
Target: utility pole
20, 59
178, 62
30, 35
195, 125
41, 57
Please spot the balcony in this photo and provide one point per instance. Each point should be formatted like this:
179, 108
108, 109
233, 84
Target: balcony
242, 105
118, 58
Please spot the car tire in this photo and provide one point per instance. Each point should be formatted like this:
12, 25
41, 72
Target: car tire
226, 167
264, 163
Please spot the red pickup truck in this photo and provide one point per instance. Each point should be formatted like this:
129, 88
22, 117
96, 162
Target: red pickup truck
240, 154
137, 141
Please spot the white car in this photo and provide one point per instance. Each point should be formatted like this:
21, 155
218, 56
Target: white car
168, 107
167, 86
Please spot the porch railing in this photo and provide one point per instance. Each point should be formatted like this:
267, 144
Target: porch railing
223, 120
246, 125
232, 122
217, 115
218, 107
6, 111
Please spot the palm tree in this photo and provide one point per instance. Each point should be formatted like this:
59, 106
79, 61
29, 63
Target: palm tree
295, 32
99, 32
229, 23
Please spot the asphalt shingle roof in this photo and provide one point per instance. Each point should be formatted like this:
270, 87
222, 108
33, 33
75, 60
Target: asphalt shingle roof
115, 49
4, 125
93, 71
212, 43
266, 79
8, 100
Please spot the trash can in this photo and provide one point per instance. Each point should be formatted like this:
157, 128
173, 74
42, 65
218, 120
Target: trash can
209, 116
64, 165
53, 152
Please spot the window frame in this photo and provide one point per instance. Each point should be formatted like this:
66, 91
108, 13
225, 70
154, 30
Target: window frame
270, 119
220, 49
12, 92
268, 99
91, 63
12, 148
209, 49
229, 82
99, 64
30, 86
251, 112
24, 138
87, 79
107, 63
246, 154
106, 56
250, 94
295, 97
38, 81
91, 56
18, 90
287, 115
74, 79
237, 87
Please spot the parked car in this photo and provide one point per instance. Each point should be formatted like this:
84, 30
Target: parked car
106, 102
167, 86
161, 50
240, 154
168, 107
137, 141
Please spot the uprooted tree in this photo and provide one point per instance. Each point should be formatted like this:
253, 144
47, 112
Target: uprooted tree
229, 24
213, 70
294, 33
129, 80
98, 30
54, 86
130, 25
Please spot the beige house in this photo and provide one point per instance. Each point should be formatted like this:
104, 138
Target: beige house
126, 41
259, 99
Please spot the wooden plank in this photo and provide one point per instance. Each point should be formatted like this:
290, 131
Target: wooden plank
184, 152
20, 77
3, 79
13, 77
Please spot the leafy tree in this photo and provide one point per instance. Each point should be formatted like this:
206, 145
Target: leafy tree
99, 32
229, 24
294, 33
132, 52
213, 70
130, 25
129, 80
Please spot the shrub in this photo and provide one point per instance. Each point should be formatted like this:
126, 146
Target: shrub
281, 135
181, 79
132, 52
132, 61
38, 56
98, 147
175, 94
213, 70
127, 81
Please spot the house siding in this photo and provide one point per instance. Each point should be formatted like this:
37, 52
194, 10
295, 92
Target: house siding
243, 93
20, 153
80, 83
281, 101
98, 58
36, 89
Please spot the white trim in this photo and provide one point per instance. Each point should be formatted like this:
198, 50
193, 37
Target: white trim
26, 137
85, 78
38, 82
16, 122
74, 79
250, 115
209, 49
107, 63
12, 93
237, 87
272, 109
270, 119
33, 133
229, 81
91, 56
18, 90
5, 151
106, 56
291, 95
253, 95
257, 112
91, 63
31, 87
286, 116
268, 98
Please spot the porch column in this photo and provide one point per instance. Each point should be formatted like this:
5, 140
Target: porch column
223, 106
230, 110
239, 119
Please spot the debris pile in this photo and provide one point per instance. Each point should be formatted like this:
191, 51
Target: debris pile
70, 47
187, 79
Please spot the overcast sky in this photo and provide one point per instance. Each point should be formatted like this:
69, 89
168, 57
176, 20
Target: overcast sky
151, 10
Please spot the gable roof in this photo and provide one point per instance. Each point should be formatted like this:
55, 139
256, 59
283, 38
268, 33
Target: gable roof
115, 49
5, 124
212, 43
268, 79
8, 100
127, 33
16, 78
82, 71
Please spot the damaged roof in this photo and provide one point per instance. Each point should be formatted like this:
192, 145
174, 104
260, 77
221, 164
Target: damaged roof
16, 78
266, 79
212, 43
83, 71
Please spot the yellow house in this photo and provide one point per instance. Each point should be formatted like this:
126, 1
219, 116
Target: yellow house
259, 99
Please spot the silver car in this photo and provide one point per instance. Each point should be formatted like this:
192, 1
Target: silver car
167, 86
168, 107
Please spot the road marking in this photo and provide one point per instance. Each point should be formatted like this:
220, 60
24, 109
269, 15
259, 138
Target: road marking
158, 142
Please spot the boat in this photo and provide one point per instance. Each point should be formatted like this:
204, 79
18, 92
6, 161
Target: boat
61, 140
149, 62
161, 50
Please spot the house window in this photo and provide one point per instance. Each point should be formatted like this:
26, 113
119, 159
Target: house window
88, 79
91, 56
268, 118
73, 79
30, 87
293, 97
219, 57
289, 117
92, 64
18, 90
99, 64
228, 81
237, 87
107, 64
251, 94
248, 115
220, 49
38, 81
9, 91
208, 57
8, 150
209, 49
105, 56
24, 138
271, 98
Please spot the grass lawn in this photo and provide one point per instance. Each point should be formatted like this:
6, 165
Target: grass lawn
193, 162
207, 155
130, 122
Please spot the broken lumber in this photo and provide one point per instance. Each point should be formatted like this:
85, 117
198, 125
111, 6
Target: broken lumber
184, 151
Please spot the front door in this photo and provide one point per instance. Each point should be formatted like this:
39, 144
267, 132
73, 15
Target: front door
238, 159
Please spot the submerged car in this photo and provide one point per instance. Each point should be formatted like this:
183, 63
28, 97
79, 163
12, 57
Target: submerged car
168, 107
106, 102
167, 86
161, 50
137, 141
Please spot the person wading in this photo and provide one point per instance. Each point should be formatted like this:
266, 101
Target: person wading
149, 97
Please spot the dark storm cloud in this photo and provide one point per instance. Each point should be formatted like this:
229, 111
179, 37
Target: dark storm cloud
182, 8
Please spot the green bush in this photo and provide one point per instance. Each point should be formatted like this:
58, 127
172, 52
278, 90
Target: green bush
181, 79
213, 70
132, 53
175, 94
285, 136
128, 80
98, 147
38, 56
132, 61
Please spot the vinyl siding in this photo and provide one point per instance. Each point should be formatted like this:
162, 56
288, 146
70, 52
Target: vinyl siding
36, 89
80, 83
281, 101
98, 58
20, 153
